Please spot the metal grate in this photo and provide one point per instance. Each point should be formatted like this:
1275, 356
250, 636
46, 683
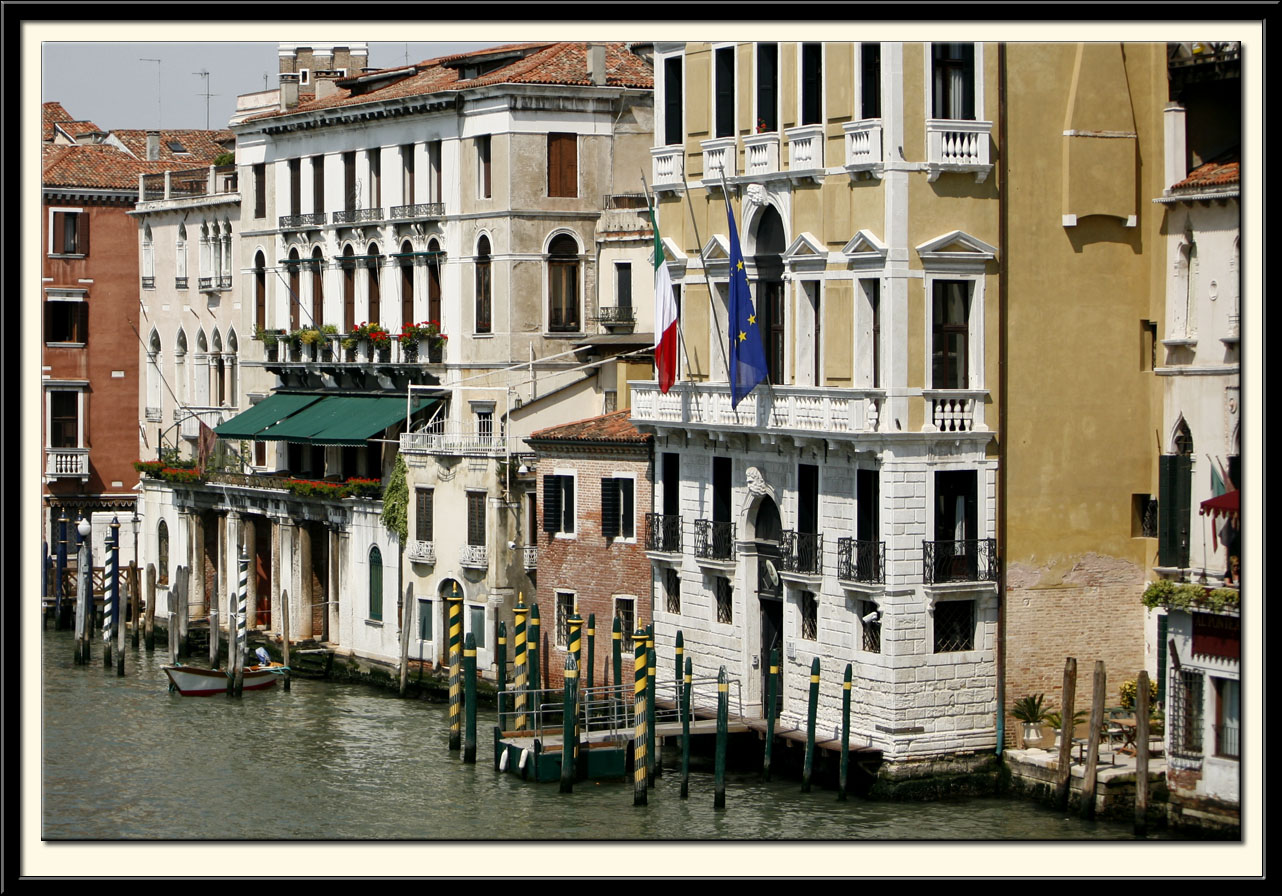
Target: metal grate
1185, 715
725, 600
809, 616
672, 590
954, 626
871, 627
1148, 523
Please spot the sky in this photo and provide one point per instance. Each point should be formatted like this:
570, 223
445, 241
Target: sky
171, 94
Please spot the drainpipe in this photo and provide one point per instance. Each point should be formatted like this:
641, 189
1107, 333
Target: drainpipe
1003, 404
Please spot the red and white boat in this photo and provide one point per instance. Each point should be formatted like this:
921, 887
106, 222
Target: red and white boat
193, 681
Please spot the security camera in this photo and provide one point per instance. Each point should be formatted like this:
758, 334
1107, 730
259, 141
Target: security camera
872, 617
511, 545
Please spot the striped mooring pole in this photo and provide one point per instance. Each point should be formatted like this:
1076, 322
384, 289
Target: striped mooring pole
535, 682
60, 571
616, 650
519, 685
639, 736
810, 725
652, 751
469, 679
575, 646
569, 715
242, 622
455, 600
588, 676
845, 733
719, 766
772, 684
501, 672
680, 655
686, 685
84, 593
111, 611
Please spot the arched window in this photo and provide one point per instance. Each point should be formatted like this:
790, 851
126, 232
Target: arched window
260, 291
180, 260
318, 287
484, 290
155, 397
148, 259
407, 284
200, 381
375, 583
229, 371
375, 298
1183, 439
162, 553
434, 281
295, 302
563, 284
180, 368
349, 289
217, 369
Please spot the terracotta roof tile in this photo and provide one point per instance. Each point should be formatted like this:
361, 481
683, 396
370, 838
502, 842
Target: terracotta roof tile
202, 146
616, 427
96, 166
53, 113
1212, 175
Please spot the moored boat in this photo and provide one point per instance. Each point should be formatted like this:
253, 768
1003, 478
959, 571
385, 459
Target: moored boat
193, 681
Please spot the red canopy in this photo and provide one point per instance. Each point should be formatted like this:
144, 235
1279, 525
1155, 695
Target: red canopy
1226, 505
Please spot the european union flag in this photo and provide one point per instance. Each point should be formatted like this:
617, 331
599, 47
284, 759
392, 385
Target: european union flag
747, 353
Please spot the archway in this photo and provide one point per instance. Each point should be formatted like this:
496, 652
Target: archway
767, 534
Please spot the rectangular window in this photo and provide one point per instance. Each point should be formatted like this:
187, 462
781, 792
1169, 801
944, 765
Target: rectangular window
485, 423
1143, 516
625, 610
870, 80
434, 171
563, 165
811, 83
423, 514
673, 101
1148, 345
725, 600
723, 62
950, 334
809, 606
774, 331
483, 167
295, 186
721, 467
867, 499
407, 174
954, 626
955, 551
870, 620
617, 513
953, 81
425, 620
69, 233
349, 181
64, 419
375, 157
1184, 715
318, 185
1227, 717
623, 285
558, 504
671, 483
807, 498
260, 190
476, 518
564, 610
476, 624
872, 293
66, 321
767, 88
672, 590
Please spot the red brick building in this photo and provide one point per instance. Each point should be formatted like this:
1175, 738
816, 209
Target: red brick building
595, 478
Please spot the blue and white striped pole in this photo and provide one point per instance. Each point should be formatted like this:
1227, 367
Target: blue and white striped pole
118, 604
109, 608
237, 651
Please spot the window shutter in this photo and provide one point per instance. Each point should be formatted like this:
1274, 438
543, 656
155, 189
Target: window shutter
610, 508
82, 233
724, 113
1166, 538
1183, 486
672, 124
551, 504
59, 233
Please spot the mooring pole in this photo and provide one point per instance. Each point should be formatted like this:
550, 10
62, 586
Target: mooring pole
1092, 749
83, 584
111, 606
519, 612
772, 680
652, 754
810, 725
60, 572
686, 685
569, 741
1141, 753
574, 623
616, 648
535, 683
845, 733
680, 657
284, 632
213, 631
1067, 722
455, 602
149, 633
719, 767
242, 623
184, 611
501, 674
121, 601
469, 678
135, 603
639, 774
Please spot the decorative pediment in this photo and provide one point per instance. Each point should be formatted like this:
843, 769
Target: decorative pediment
716, 254
956, 249
675, 258
865, 250
806, 253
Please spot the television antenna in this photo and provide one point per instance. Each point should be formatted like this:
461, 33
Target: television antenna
206, 95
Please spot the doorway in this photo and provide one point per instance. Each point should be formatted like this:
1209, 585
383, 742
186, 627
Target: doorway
768, 531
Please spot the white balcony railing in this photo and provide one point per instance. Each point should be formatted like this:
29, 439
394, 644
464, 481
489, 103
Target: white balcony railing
421, 551
455, 443
761, 154
805, 150
189, 418
473, 556
719, 159
954, 410
863, 145
530, 555
782, 408
960, 146
67, 462
669, 167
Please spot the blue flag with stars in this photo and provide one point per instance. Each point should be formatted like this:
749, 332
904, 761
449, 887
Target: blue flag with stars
747, 353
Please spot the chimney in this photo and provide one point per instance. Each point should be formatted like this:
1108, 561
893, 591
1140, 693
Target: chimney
153, 146
1176, 160
288, 91
596, 64
325, 81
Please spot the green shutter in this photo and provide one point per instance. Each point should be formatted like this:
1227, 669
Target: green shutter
551, 504
610, 508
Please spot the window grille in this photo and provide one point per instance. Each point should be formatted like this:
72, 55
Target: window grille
954, 626
1185, 714
871, 627
809, 616
564, 609
672, 590
725, 604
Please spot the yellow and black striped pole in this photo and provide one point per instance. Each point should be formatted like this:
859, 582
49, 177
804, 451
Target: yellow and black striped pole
588, 677
501, 670
845, 733
455, 601
519, 612
686, 685
772, 683
616, 650
810, 725
681, 652
469, 680
575, 646
723, 724
639, 774
569, 715
652, 753
536, 683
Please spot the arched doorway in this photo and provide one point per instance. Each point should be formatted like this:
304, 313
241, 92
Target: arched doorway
767, 533
770, 245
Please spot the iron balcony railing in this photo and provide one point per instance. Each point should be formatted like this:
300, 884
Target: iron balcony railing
1226, 741
417, 210
473, 556
861, 561
205, 283
713, 540
312, 219
802, 553
616, 314
530, 556
180, 283
663, 533
357, 215
148, 282
969, 560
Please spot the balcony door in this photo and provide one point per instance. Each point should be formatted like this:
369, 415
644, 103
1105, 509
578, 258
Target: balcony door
956, 525
767, 533
770, 294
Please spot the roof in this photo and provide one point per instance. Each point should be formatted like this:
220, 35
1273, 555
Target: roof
614, 428
55, 117
95, 166
563, 64
202, 146
1217, 175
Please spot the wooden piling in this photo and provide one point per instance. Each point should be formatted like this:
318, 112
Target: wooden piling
407, 613
213, 633
845, 733
811, 713
183, 581
469, 682
719, 764
589, 675
1141, 753
616, 648
652, 751
686, 685
1068, 712
135, 604
501, 670
519, 613
568, 717
241, 629
149, 632
173, 636
284, 631
1092, 750
532, 645
119, 609
111, 620
772, 680
455, 603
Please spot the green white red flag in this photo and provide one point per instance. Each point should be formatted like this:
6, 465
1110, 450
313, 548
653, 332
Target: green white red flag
665, 316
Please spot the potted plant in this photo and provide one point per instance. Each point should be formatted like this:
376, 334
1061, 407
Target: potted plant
1056, 721
1128, 692
412, 335
1031, 711
270, 340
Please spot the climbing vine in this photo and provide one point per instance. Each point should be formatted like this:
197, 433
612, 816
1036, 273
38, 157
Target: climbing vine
396, 501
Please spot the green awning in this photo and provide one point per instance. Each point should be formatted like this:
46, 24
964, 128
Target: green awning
271, 410
342, 420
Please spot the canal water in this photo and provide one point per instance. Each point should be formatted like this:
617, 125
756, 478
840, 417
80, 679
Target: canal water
122, 759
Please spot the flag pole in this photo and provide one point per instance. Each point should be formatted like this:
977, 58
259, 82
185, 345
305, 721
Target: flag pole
726, 190
712, 305
681, 336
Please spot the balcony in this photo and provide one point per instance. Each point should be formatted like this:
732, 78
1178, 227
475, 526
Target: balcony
971, 560
66, 463
462, 443
617, 317
148, 282
954, 410
328, 349
806, 151
205, 284
803, 410
473, 556
714, 541
301, 222
719, 160
153, 414
863, 146
193, 183
801, 554
959, 147
530, 558
190, 417
663, 533
416, 211
357, 215
669, 167
421, 551
861, 562
761, 154
180, 283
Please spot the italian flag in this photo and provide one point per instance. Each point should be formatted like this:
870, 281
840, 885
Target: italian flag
665, 316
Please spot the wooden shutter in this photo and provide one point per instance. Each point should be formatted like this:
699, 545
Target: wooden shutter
627, 524
59, 234
563, 165
80, 221
476, 518
672, 99
423, 514
1174, 482
610, 508
551, 504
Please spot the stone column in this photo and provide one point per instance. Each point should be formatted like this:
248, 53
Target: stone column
306, 595
335, 576
196, 563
